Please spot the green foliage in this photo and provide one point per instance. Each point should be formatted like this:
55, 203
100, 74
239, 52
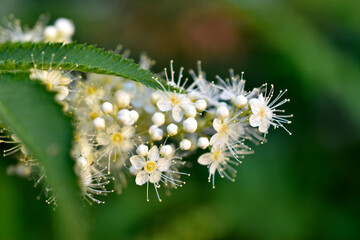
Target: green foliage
82, 57
33, 115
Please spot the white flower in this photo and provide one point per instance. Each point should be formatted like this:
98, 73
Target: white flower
264, 112
151, 169
92, 181
173, 101
14, 32
218, 160
233, 89
229, 133
91, 91
116, 142
53, 81
201, 88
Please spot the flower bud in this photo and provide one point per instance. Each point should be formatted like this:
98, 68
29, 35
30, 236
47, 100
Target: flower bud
50, 33
155, 133
107, 108
190, 125
166, 150
241, 101
99, 123
185, 144
124, 116
64, 81
122, 99
158, 118
155, 97
190, 111
81, 161
142, 150
134, 115
65, 27
172, 129
222, 112
200, 105
203, 142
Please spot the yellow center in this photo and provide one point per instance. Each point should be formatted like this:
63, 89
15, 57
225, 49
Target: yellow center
91, 90
223, 128
93, 115
216, 154
174, 99
117, 138
48, 86
150, 166
262, 112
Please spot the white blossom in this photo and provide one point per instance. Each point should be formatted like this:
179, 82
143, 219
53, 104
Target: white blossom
152, 169
218, 160
264, 112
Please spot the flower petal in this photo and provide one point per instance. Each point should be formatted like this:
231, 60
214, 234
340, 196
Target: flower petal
54, 77
153, 154
164, 105
255, 120
213, 167
62, 92
264, 126
268, 113
163, 164
206, 159
155, 177
261, 100
226, 95
128, 132
255, 105
217, 124
141, 178
216, 139
137, 161
177, 114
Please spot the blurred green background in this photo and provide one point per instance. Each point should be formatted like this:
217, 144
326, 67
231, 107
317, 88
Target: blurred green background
304, 186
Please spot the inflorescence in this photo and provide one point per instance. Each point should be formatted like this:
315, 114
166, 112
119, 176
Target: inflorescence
115, 139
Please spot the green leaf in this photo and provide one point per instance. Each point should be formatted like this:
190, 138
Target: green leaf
82, 57
33, 115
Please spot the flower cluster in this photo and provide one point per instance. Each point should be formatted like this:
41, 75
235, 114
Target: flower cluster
125, 129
